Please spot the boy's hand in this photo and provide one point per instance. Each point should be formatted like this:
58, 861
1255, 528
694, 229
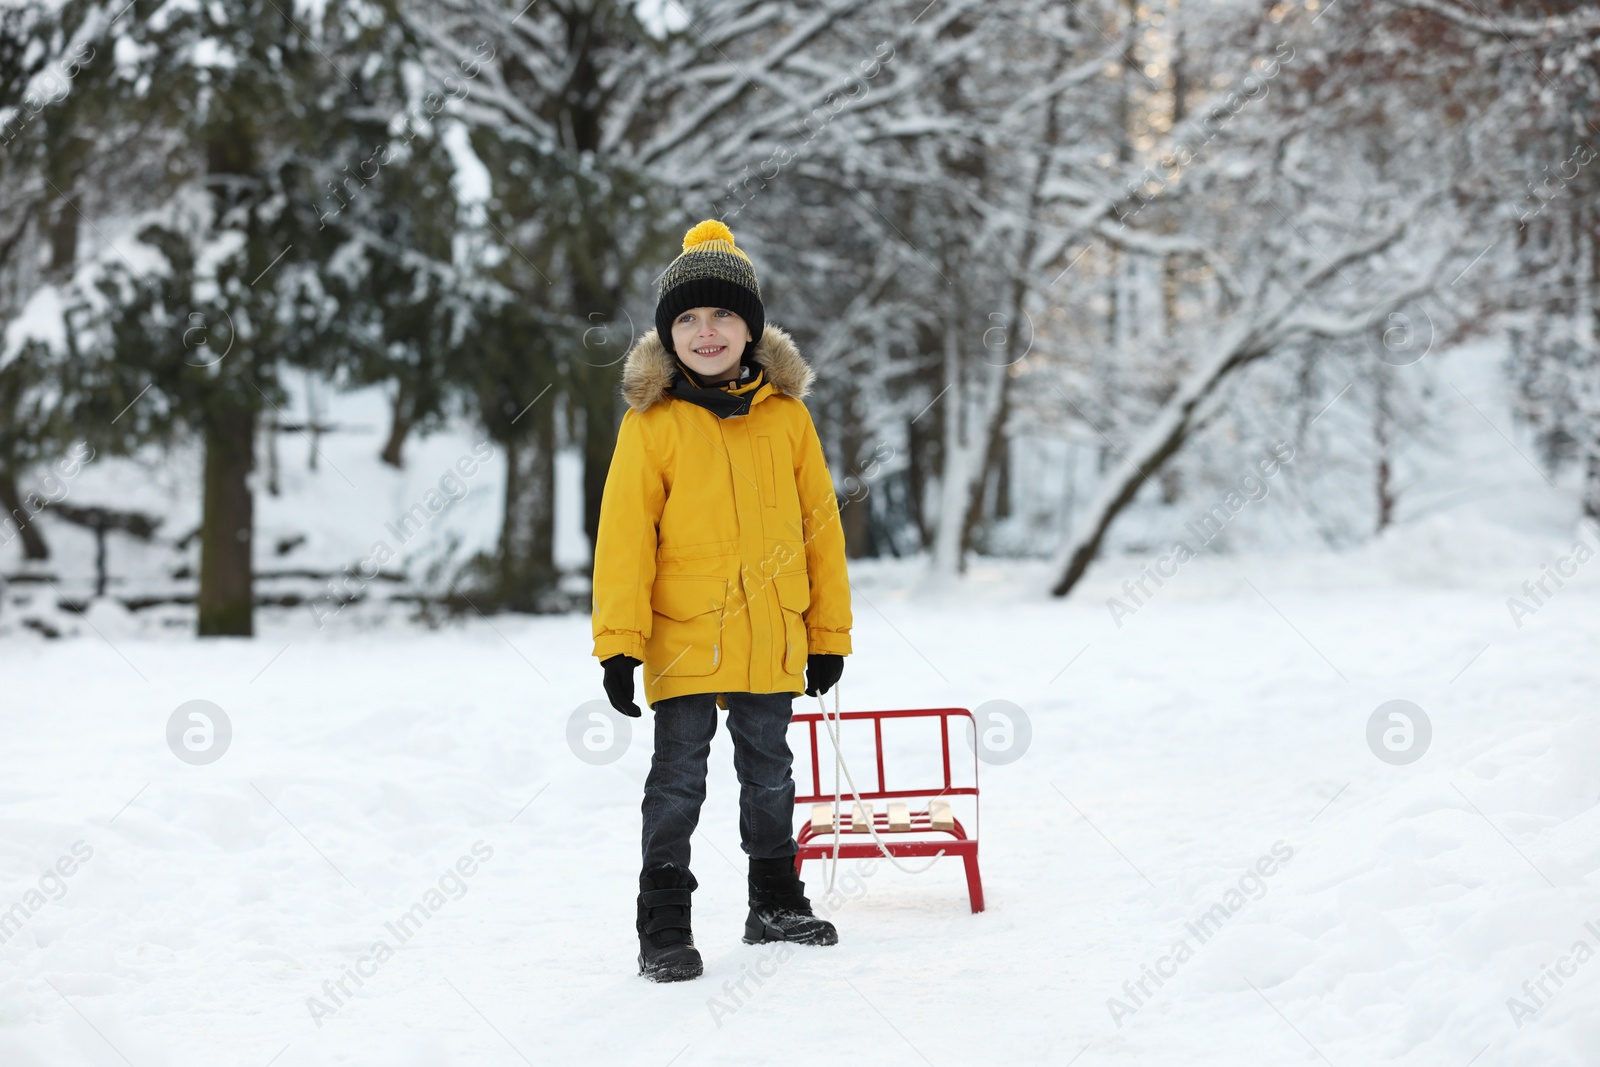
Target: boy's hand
822, 672
619, 684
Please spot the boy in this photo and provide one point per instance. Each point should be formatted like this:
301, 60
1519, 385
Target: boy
719, 564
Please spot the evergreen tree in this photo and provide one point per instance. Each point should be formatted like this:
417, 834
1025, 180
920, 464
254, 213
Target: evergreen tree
270, 114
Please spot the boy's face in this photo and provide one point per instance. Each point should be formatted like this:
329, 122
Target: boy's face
710, 341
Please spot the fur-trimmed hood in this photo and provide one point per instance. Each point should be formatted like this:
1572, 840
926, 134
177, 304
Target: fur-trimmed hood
647, 370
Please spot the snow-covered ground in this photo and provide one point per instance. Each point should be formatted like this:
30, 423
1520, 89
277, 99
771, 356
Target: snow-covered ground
1198, 802
1213, 729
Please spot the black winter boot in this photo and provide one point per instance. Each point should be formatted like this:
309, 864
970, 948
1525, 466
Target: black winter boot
779, 910
666, 944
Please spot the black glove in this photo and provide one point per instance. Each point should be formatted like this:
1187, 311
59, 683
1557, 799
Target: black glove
822, 671
619, 684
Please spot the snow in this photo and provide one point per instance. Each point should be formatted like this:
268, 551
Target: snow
661, 17
1179, 749
473, 183
1174, 761
42, 319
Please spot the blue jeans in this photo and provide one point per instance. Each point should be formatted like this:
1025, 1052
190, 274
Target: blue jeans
676, 785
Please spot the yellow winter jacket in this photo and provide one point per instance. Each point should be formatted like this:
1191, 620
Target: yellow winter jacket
719, 560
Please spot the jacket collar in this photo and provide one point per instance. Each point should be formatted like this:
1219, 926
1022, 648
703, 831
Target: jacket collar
723, 401
650, 374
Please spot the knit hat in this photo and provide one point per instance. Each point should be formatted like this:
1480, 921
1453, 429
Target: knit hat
711, 272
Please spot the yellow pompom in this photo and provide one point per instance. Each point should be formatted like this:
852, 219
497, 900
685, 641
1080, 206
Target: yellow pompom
709, 230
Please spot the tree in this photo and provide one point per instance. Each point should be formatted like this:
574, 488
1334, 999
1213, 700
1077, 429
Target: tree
1318, 204
52, 70
1549, 148
186, 324
606, 139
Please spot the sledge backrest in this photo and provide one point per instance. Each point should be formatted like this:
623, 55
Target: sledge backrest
817, 731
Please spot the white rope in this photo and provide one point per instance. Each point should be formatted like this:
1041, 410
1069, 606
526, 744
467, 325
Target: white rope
838, 765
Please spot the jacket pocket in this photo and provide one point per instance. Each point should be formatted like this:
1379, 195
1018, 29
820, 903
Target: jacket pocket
764, 471
686, 625
794, 596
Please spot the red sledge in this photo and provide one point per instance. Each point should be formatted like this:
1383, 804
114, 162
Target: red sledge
933, 818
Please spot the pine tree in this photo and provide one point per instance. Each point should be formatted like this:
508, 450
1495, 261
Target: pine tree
265, 114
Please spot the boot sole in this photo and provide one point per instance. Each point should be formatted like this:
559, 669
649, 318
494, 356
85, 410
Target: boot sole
766, 933
671, 974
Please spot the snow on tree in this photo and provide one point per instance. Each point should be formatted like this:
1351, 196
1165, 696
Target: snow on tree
1319, 206
213, 265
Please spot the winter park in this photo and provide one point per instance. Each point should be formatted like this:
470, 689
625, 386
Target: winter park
699, 532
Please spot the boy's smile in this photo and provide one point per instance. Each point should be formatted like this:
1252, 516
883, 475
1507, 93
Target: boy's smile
710, 342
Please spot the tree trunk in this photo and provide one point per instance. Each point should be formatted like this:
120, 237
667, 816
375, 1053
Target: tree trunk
400, 423
33, 543
100, 559
226, 599
1171, 485
1588, 283
274, 471
856, 515
995, 405
1591, 484
855, 504
527, 572
985, 421
1002, 480
313, 422
1384, 473
64, 238
916, 483
1385, 495
599, 438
